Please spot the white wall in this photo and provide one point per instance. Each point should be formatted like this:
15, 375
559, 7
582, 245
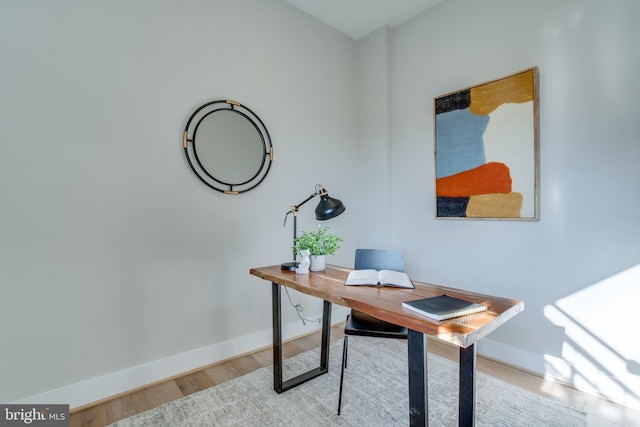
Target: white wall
373, 163
576, 326
113, 255
118, 266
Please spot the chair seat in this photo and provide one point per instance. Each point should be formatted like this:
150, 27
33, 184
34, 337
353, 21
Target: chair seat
359, 323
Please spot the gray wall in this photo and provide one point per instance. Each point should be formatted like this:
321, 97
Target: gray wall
589, 229
113, 255
120, 266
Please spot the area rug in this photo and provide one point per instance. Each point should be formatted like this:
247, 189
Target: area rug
375, 394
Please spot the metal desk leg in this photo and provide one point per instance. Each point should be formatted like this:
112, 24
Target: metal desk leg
278, 384
418, 397
467, 397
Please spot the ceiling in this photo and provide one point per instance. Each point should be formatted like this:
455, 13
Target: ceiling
358, 18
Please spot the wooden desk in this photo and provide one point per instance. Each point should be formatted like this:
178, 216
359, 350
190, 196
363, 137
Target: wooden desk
386, 304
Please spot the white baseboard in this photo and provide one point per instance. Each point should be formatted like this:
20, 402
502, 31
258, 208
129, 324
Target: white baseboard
99, 388
512, 355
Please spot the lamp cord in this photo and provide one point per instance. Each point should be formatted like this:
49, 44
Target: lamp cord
299, 309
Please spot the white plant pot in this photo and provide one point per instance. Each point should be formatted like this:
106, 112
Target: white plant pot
318, 263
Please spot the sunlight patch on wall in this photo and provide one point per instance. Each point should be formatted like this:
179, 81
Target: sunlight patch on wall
600, 350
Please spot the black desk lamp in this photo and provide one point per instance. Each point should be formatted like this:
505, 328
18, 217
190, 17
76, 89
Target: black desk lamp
327, 208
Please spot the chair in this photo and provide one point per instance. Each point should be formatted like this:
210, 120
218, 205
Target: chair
362, 324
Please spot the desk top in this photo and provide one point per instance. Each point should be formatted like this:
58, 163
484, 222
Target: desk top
385, 303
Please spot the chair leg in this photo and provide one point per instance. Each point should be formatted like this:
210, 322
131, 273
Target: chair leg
345, 354
344, 365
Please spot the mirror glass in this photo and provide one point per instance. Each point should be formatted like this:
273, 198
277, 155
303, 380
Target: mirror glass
228, 147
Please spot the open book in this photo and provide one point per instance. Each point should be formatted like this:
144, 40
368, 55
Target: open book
379, 278
444, 307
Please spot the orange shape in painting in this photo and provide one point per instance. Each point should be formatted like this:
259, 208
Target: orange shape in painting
489, 178
489, 96
495, 206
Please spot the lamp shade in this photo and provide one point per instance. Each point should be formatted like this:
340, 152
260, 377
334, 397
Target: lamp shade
328, 208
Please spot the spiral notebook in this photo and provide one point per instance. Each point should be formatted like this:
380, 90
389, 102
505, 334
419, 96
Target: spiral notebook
444, 307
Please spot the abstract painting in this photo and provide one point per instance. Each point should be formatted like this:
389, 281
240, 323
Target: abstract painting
486, 150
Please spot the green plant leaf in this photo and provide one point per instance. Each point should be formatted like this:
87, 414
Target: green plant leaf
318, 242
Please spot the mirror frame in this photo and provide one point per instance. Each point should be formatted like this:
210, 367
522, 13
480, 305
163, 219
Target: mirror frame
208, 176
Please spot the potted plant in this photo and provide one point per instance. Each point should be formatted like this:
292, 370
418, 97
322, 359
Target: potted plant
319, 243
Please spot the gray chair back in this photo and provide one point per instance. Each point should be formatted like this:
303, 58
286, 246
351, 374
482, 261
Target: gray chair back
379, 259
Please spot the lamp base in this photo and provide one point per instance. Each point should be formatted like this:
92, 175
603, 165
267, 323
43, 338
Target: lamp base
289, 266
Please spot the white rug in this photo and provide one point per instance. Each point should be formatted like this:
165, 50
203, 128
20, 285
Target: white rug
375, 394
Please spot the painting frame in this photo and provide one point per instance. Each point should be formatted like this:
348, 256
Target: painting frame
486, 150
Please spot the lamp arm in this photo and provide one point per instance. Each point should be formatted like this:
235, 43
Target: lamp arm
294, 208
294, 211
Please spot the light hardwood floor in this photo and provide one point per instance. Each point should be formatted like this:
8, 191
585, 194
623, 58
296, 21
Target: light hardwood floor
600, 412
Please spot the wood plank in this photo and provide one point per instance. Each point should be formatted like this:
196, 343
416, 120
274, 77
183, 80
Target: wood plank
222, 373
246, 364
290, 349
158, 394
95, 416
385, 303
264, 357
125, 406
194, 382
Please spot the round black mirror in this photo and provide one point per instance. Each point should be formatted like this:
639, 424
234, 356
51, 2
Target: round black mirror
227, 146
